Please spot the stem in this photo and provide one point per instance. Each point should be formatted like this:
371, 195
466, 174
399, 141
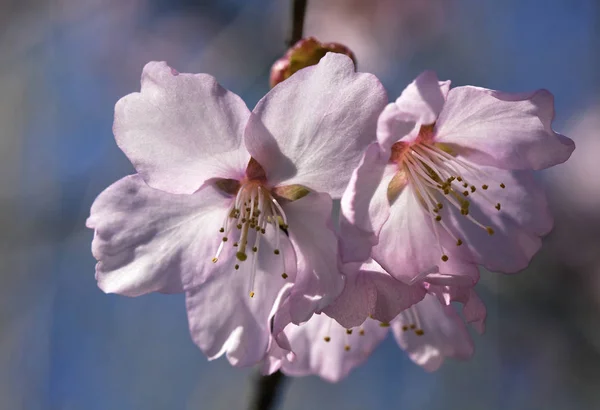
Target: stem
298, 13
267, 390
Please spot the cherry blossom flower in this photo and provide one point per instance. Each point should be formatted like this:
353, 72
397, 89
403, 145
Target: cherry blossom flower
230, 206
450, 180
422, 317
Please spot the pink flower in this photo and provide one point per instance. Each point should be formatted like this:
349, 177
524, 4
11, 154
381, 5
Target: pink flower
422, 318
230, 206
450, 180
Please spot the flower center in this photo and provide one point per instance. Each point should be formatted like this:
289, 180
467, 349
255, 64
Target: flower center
438, 178
253, 211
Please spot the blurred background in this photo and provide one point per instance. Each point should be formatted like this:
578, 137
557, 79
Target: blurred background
64, 63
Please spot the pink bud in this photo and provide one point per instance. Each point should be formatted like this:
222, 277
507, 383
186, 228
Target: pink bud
304, 53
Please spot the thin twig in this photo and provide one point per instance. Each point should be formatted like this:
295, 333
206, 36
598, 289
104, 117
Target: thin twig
297, 27
267, 391
268, 388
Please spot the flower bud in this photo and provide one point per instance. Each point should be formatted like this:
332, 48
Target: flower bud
304, 53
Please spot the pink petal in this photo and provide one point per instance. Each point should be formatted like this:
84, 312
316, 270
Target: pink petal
407, 247
364, 205
394, 125
330, 360
223, 318
419, 104
444, 335
454, 281
475, 312
524, 217
370, 291
313, 127
147, 240
181, 129
424, 98
318, 280
510, 131
357, 300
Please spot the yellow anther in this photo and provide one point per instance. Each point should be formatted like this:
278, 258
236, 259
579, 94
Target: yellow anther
241, 256
215, 260
445, 258
459, 242
384, 324
498, 206
419, 332
327, 339
251, 294
489, 230
284, 275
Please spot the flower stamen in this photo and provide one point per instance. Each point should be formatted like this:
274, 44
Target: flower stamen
434, 174
252, 212
411, 321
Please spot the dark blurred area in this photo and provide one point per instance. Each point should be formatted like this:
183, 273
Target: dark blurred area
63, 65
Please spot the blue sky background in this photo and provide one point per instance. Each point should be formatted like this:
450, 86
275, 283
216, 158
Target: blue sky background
66, 345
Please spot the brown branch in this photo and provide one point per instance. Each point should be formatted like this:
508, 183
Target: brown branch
267, 390
297, 27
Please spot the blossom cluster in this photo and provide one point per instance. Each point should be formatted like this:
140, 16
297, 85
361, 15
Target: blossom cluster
235, 208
